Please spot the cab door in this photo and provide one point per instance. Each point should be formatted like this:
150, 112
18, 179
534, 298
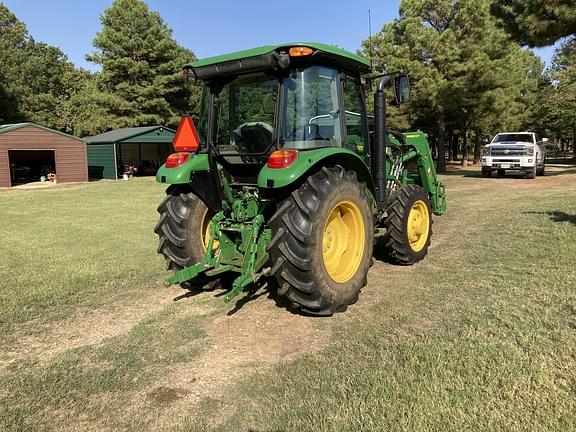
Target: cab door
355, 126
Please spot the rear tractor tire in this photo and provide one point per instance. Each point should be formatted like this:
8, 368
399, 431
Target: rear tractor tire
408, 225
323, 237
183, 231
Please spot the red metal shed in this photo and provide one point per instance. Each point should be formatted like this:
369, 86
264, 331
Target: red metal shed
29, 151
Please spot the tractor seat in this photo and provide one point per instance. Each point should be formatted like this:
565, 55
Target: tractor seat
253, 137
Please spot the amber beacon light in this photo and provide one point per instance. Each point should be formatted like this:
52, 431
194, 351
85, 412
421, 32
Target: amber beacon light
300, 51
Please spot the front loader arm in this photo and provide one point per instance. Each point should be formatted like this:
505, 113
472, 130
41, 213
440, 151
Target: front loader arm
426, 170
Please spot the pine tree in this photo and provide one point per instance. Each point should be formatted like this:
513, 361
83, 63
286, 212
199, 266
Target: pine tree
462, 67
140, 82
563, 97
34, 76
12, 35
536, 22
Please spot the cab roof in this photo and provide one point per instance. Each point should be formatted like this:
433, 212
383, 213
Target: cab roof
329, 50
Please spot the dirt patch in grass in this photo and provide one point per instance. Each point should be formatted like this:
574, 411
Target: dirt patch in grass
163, 395
256, 337
89, 327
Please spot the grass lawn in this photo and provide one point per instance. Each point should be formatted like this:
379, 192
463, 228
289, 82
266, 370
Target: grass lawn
73, 246
481, 335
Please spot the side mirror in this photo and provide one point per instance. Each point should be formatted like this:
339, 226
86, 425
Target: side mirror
401, 89
544, 140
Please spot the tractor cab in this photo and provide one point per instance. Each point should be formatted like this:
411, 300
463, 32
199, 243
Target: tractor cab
284, 98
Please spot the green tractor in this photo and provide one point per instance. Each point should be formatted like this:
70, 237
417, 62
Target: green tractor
286, 178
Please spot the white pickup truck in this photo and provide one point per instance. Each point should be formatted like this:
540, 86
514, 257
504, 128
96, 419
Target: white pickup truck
519, 151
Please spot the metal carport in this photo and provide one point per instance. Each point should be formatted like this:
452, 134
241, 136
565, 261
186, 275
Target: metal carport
145, 147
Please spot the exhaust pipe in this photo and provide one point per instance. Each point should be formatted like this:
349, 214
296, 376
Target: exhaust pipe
380, 139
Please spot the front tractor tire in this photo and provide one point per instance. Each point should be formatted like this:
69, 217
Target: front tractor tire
408, 225
323, 236
183, 231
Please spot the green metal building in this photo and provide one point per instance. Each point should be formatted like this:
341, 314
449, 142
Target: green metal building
144, 147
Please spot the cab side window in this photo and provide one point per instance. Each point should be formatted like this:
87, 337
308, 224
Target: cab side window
354, 118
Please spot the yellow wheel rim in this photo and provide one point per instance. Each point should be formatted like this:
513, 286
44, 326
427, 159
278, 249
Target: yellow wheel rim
205, 233
343, 241
418, 225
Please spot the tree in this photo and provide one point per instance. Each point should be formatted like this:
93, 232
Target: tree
536, 22
34, 77
140, 83
563, 97
12, 35
44, 71
463, 68
8, 104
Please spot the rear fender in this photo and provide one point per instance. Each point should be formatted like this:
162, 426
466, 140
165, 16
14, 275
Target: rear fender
195, 173
310, 161
183, 173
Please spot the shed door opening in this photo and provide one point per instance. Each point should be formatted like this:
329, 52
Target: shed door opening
142, 159
30, 165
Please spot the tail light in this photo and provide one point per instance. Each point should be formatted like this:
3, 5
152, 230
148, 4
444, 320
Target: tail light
186, 138
177, 159
282, 158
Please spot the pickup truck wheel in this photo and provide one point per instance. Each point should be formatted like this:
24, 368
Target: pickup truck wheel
501, 173
486, 172
532, 173
540, 170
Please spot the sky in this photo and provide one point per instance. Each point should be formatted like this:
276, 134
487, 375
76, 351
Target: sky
215, 27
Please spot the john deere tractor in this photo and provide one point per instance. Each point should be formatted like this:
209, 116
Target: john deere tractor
284, 177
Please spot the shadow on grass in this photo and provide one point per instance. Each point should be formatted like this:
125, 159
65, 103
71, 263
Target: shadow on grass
561, 161
567, 166
565, 170
558, 216
509, 174
217, 291
249, 296
188, 294
478, 174
462, 173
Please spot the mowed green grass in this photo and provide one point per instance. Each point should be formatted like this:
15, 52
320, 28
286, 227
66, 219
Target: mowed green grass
75, 246
70, 254
481, 335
